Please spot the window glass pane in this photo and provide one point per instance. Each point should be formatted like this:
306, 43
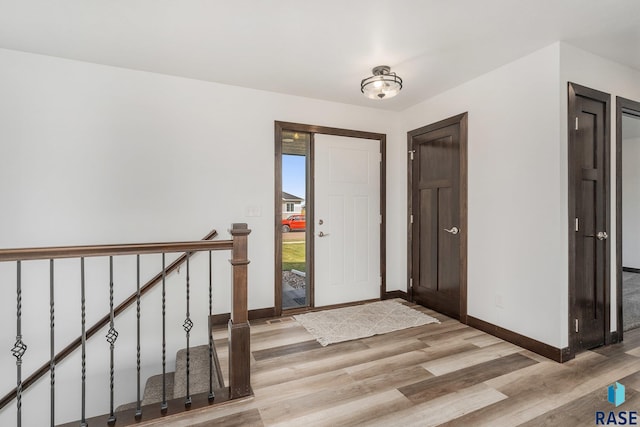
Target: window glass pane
294, 249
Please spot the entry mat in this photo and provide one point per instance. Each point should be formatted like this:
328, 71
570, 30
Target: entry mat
360, 321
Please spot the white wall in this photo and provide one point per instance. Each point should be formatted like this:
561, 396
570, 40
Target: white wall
631, 200
589, 70
396, 208
96, 154
515, 274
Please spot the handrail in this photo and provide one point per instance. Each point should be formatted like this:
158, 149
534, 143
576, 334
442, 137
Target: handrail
56, 252
105, 250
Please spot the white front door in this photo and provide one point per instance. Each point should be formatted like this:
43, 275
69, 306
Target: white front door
347, 219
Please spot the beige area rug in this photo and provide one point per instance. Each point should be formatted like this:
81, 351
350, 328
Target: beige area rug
360, 321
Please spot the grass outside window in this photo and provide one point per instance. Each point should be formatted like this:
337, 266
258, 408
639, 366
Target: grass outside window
293, 256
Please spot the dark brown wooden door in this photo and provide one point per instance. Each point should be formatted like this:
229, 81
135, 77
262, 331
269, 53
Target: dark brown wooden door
436, 228
588, 157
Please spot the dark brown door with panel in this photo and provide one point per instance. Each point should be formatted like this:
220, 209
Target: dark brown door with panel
436, 227
589, 222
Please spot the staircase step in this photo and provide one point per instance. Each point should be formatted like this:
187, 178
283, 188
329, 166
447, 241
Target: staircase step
198, 371
177, 381
153, 388
153, 391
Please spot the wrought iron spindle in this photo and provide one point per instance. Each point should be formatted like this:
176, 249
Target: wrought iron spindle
83, 419
211, 394
19, 348
164, 405
112, 336
138, 407
187, 325
52, 360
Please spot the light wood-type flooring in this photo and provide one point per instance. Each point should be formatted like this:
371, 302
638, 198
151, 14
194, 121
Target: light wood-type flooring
438, 374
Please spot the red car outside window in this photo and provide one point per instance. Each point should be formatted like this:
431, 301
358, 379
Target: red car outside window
294, 222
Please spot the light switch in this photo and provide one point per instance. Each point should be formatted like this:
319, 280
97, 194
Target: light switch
252, 211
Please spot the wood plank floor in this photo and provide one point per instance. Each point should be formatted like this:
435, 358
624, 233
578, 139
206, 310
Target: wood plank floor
438, 374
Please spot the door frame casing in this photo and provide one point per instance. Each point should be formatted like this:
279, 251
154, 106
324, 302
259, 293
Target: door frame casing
462, 121
574, 91
628, 106
324, 130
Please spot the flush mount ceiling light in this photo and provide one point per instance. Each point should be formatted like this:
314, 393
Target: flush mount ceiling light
383, 83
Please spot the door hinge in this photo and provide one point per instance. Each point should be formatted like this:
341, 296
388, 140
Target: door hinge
411, 283
576, 123
411, 218
379, 157
577, 224
576, 325
380, 218
411, 153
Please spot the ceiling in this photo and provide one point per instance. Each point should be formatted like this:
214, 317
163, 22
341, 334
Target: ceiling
319, 49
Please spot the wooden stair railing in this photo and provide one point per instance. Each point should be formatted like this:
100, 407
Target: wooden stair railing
239, 340
99, 324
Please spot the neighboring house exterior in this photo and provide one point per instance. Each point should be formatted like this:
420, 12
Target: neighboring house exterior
291, 205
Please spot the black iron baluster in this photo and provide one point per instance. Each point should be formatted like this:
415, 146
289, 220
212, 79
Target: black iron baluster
19, 348
187, 325
211, 394
52, 365
83, 420
138, 408
164, 406
112, 336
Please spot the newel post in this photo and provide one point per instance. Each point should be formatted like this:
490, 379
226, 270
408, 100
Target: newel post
239, 338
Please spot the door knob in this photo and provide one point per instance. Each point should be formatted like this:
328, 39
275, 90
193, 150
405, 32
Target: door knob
602, 235
323, 234
453, 230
